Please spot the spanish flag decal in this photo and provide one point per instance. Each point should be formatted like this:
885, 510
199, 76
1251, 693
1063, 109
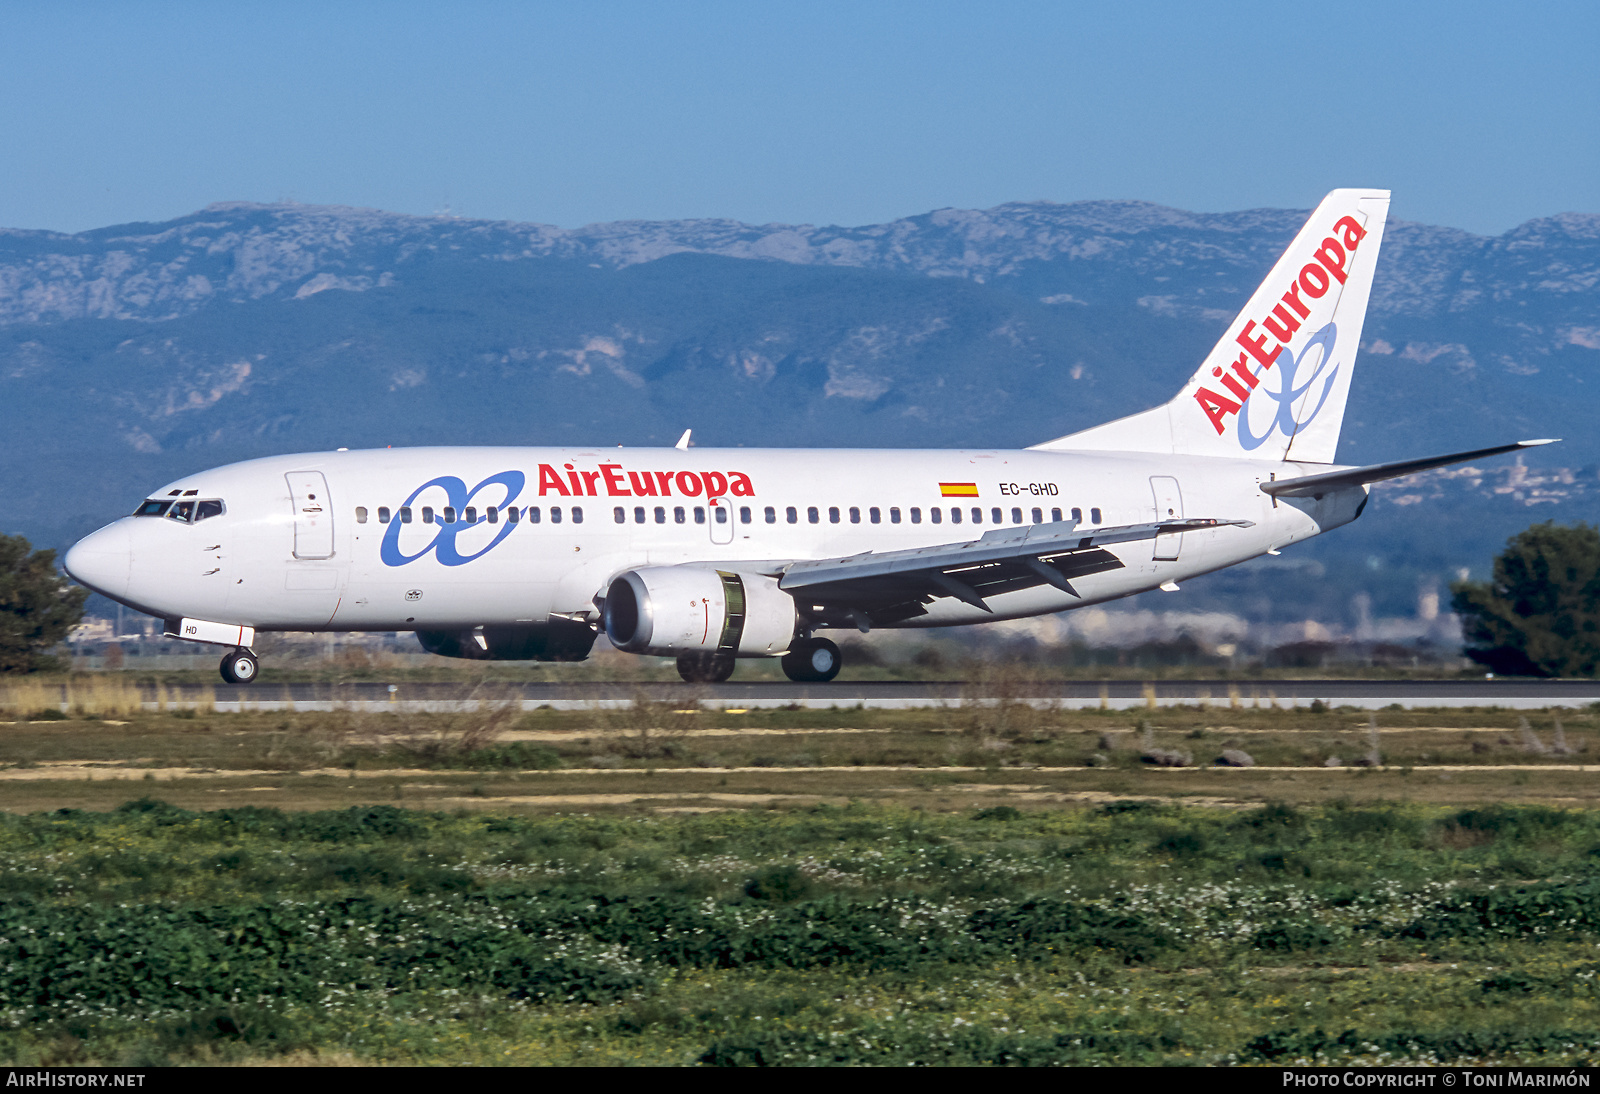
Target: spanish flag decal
958, 489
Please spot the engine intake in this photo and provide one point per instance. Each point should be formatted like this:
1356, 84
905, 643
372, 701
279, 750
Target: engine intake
671, 610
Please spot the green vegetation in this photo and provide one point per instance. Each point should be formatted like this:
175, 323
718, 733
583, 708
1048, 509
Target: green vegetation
1133, 932
1540, 615
37, 607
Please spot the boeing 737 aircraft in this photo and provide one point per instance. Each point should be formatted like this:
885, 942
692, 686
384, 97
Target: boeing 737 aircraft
711, 555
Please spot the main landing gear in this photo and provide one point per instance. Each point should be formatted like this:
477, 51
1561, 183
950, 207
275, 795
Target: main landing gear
812, 661
240, 666
705, 668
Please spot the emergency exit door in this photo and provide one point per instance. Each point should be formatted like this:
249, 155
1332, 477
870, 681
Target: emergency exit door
1169, 506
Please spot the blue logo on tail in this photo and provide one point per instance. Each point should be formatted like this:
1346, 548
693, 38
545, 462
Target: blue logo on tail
1288, 393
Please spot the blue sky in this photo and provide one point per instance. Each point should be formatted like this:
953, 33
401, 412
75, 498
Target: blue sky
1479, 116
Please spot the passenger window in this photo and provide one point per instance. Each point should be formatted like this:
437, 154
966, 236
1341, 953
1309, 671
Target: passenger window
935, 514
207, 509
427, 514
361, 514
699, 514
555, 514
955, 515
577, 514
493, 514
405, 514
678, 515
772, 515
1055, 514
1016, 516
744, 514
894, 514
1094, 516
792, 514
661, 514
383, 514
155, 507
531, 514
620, 515
1038, 516
472, 515
855, 515
977, 515
638, 514
1077, 515
833, 514
874, 515
722, 514
812, 515
996, 516
512, 514
449, 514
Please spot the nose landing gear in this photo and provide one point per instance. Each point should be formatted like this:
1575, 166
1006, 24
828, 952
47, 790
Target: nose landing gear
240, 666
812, 661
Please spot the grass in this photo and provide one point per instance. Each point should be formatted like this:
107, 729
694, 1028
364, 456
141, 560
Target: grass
796, 887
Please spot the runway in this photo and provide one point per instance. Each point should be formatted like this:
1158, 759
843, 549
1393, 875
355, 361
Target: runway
902, 695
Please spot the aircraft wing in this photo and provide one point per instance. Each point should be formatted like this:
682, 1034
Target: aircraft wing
881, 588
1308, 486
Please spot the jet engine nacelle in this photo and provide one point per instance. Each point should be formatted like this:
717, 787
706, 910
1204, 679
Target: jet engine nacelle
556, 640
672, 610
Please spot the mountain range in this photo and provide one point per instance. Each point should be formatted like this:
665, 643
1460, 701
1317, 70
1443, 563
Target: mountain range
132, 354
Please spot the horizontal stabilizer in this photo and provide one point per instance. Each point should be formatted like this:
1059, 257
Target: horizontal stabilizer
1316, 485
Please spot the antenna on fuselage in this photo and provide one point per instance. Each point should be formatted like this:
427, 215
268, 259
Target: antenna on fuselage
683, 441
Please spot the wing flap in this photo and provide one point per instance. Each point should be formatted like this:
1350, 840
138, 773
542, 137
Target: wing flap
897, 583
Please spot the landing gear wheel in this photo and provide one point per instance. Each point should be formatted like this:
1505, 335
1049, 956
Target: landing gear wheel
705, 668
240, 667
812, 661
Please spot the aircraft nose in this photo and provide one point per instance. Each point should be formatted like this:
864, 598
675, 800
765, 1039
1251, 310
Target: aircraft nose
101, 560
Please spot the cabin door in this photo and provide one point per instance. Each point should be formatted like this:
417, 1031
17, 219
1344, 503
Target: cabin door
313, 515
1169, 506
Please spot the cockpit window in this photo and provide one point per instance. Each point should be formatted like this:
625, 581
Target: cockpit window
186, 511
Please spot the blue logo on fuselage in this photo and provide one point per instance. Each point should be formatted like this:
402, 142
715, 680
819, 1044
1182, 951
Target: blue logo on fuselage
443, 544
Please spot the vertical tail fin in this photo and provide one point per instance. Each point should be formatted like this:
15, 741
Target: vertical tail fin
1275, 386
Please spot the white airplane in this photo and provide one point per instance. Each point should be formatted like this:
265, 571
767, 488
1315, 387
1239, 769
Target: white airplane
710, 555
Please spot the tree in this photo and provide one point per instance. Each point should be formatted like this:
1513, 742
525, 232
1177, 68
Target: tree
1540, 615
37, 606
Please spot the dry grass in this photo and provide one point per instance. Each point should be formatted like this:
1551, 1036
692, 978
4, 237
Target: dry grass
105, 697
419, 736
995, 704
647, 730
26, 698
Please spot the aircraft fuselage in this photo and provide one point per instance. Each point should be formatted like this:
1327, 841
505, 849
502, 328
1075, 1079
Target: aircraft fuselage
424, 538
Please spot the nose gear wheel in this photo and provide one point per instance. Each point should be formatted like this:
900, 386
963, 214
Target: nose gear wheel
240, 666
